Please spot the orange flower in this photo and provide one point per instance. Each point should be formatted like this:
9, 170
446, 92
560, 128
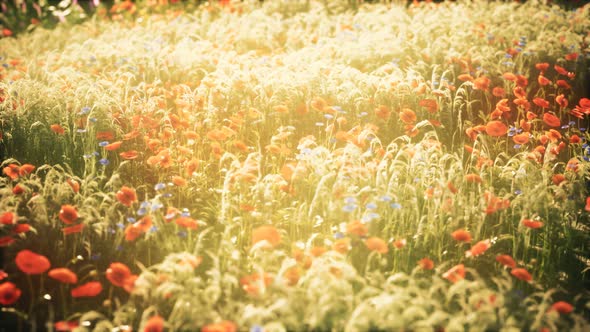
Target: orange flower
6, 241
473, 178
341, 245
383, 112
73, 229
534, 224
154, 324
399, 243
541, 102
543, 80
104, 135
561, 100
521, 138
496, 128
465, 77
557, 179
551, 120
9, 293
63, 326
455, 274
11, 171
498, 92
126, 196
26, 169
18, 189
587, 207
506, 260
7, 218
254, 283
129, 155
407, 116
132, 232
68, 214
187, 222
377, 244
522, 274
267, 232
223, 326
31, 263
178, 181
89, 289
461, 235
117, 274
478, 249
357, 227
481, 83
562, 307
430, 104
426, 264
63, 275
56, 128
542, 66
74, 185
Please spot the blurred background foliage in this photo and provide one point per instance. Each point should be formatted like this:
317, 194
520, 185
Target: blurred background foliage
17, 16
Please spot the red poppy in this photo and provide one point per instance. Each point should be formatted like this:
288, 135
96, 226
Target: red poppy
129, 155
63, 275
465, 77
407, 116
18, 189
105, 135
74, 185
551, 120
498, 92
113, 146
7, 218
534, 224
126, 196
132, 232
117, 274
496, 128
89, 289
481, 83
430, 104
129, 283
73, 229
58, 129
268, 233
377, 244
11, 171
543, 66
461, 235
31, 263
187, 222
587, 207
341, 245
357, 227
557, 179
9, 293
426, 264
455, 274
506, 260
26, 169
521, 274
63, 326
478, 249
144, 224
21, 228
543, 80
399, 243
562, 307
6, 241
383, 112
68, 214
223, 326
3, 275
154, 324
473, 178
252, 283
521, 81
563, 84
561, 100
541, 102
521, 138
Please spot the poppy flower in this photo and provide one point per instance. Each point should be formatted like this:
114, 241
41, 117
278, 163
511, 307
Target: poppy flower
7, 218
506, 260
75, 185
455, 274
478, 249
68, 214
407, 116
251, 284
521, 138
223, 326
3, 275
63, 275
154, 324
561, 100
481, 83
105, 135
129, 155
58, 129
465, 77
21, 228
509, 76
129, 283
267, 232
132, 232
473, 178
187, 222
73, 229
551, 120
461, 235
18, 189
562, 307
587, 207
9, 293
534, 224
6, 241
430, 104
541, 102
543, 80
521, 81
63, 326
11, 171
126, 196
563, 84
341, 245
113, 146
571, 56
496, 128
426, 264
399, 243
356, 227
543, 66
117, 273
31, 263
557, 179
26, 169
89, 289
383, 112
498, 92
521, 274
377, 244
178, 181
144, 224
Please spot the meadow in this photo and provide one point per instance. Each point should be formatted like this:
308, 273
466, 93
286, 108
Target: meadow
298, 166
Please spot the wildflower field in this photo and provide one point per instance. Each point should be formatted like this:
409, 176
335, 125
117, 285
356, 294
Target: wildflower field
297, 166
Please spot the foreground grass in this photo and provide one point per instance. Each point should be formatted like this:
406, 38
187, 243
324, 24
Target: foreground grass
300, 167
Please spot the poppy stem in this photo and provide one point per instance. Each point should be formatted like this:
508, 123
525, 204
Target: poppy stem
31, 290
